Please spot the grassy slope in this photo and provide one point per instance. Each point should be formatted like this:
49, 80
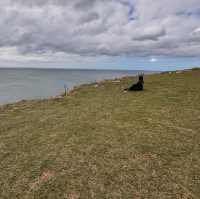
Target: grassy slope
104, 143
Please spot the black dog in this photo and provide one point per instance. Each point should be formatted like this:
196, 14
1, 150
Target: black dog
139, 86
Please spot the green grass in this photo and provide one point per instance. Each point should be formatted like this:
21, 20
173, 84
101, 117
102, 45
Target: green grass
100, 142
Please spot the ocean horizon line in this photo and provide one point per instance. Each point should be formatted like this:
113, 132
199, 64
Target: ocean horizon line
80, 69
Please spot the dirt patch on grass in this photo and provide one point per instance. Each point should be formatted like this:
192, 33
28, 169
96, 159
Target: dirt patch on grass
45, 177
72, 196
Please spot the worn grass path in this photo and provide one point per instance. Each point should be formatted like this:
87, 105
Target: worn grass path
100, 142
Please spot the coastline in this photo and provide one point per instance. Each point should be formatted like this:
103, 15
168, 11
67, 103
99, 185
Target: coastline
74, 89
78, 87
29, 84
62, 95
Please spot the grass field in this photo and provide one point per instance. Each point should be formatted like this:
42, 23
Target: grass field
100, 142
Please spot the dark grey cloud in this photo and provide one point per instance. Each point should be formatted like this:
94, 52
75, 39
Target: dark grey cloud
86, 18
95, 28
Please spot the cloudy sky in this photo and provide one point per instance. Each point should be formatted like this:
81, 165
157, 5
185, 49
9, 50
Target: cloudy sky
119, 34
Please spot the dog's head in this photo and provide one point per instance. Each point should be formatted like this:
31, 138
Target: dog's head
141, 77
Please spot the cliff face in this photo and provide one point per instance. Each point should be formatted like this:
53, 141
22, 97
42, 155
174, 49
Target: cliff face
100, 142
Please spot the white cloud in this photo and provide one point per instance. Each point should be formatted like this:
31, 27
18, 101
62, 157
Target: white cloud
11, 54
196, 32
42, 29
153, 59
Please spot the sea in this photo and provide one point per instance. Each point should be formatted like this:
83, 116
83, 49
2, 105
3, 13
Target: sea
27, 84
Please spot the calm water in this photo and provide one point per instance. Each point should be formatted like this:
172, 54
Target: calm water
18, 84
